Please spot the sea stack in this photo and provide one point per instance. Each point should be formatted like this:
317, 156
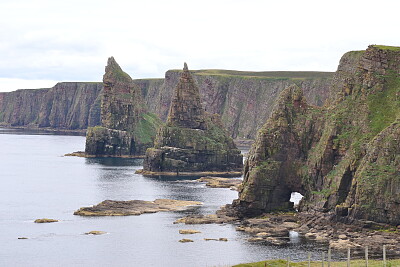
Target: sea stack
192, 141
344, 157
127, 129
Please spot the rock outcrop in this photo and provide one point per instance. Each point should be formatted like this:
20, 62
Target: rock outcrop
344, 158
192, 140
127, 128
134, 207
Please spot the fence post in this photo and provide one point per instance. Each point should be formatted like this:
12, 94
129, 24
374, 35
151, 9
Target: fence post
329, 257
323, 258
309, 259
288, 261
348, 257
366, 256
384, 255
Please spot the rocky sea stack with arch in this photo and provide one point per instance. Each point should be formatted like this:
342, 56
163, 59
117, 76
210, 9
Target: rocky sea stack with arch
343, 157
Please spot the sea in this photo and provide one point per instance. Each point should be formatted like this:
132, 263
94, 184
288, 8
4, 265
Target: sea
38, 181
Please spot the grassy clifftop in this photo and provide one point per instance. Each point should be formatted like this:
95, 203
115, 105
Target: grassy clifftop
264, 74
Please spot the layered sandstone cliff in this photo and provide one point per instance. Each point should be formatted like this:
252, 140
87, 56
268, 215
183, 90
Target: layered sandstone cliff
344, 158
244, 100
192, 140
67, 105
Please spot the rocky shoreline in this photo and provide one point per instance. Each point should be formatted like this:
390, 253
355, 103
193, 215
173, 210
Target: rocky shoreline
211, 173
82, 154
274, 229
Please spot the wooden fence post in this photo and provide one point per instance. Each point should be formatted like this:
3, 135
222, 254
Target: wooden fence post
384, 255
309, 259
288, 261
348, 257
323, 258
329, 257
366, 256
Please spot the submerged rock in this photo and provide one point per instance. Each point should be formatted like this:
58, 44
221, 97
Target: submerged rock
96, 233
45, 220
186, 240
192, 140
220, 182
127, 128
134, 207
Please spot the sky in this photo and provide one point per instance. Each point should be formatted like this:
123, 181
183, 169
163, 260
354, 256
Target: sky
43, 42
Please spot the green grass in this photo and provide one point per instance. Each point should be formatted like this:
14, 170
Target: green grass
384, 106
265, 74
147, 128
353, 263
384, 47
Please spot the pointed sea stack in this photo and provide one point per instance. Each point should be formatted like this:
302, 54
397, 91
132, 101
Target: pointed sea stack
192, 141
127, 129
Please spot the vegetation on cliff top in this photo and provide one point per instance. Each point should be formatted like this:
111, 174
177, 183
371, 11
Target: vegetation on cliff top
264, 74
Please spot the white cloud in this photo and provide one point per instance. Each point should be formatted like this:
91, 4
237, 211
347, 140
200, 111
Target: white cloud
71, 40
7, 84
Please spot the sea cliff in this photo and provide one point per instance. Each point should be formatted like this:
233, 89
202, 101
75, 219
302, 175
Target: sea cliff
243, 99
344, 157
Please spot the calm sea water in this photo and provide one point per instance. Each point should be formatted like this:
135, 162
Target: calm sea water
37, 181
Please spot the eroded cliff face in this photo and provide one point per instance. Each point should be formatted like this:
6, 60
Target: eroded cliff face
192, 140
68, 105
244, 100
127, 128
344, 158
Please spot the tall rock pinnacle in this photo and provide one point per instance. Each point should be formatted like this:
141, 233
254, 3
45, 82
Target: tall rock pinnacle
193, 141
186, 109
127, 128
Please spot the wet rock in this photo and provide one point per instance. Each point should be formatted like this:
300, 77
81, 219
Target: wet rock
220, 182
96, 233
186, 240
188, 231
342, 236
276, 241
45, 220
134, 207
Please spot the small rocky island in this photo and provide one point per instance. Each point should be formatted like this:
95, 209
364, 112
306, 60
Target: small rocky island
134, 207
127, 128
192, 141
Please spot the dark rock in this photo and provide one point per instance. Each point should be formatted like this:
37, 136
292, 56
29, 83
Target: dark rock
192, 140
343, 157
127, 129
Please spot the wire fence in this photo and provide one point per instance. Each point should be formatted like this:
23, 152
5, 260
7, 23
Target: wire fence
326, 258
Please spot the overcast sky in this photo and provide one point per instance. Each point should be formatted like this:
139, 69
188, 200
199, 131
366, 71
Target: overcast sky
46, 41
